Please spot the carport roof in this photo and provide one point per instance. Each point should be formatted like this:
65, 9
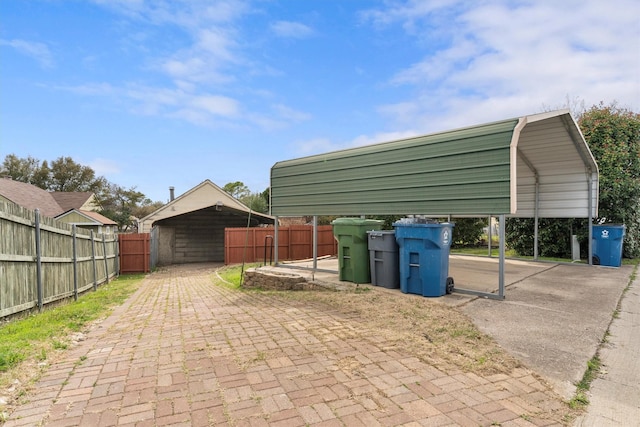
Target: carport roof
535, 165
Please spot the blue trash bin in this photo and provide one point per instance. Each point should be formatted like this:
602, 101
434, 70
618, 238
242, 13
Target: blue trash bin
424, 257
607, 244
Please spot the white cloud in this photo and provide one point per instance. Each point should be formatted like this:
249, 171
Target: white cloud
102, 89
290, 114
216, 105
104, 166
324, 145
314, 146
510, 58
291, 29
38, 51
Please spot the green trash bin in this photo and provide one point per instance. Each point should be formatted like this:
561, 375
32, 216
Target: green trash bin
353, 251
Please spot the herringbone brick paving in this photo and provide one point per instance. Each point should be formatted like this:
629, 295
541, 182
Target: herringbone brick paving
185, 352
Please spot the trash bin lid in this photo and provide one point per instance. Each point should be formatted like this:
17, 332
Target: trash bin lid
380, 233
356, 221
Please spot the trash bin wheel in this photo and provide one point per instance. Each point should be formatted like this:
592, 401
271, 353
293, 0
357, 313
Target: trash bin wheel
595, 260
449, 285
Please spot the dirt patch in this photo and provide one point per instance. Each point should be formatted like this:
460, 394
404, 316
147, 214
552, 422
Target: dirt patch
437, 334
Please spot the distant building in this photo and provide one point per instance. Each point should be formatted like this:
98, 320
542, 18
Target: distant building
75, 208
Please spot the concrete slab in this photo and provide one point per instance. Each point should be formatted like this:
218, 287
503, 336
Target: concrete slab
554, 320
481, 273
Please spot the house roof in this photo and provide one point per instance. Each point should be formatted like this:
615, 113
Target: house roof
93, 217
29, 196
55, 205
536, 165
204, 195
71, 200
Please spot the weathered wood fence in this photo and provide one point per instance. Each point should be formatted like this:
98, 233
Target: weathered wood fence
294, 242
43, 260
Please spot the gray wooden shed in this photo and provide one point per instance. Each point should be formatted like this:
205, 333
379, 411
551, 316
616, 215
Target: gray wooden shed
536, 166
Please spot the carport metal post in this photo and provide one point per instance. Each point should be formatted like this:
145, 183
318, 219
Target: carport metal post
590, 207
501, 264
501, 234
315, 242
275, 241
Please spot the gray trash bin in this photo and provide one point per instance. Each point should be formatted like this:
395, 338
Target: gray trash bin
383, 259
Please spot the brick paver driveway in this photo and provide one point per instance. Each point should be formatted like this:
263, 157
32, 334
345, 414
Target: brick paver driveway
183, 351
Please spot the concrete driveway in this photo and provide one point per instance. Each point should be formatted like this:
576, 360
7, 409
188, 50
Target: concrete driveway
185, 352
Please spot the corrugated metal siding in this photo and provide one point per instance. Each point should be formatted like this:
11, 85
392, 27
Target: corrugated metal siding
563, 181
459, 172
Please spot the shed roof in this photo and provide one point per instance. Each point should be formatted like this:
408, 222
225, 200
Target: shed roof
491, 169
204, 195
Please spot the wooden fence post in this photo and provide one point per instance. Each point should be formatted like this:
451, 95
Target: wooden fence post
106, 260
75, 263
116, 250
38, 261
95, 267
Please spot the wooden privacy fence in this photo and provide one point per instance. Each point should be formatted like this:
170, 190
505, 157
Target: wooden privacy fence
294, 242
135, 253
43, 260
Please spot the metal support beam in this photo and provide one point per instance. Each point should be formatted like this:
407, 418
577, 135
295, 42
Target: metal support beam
275, 241
501, 234
590, 216
490, 235
315, 242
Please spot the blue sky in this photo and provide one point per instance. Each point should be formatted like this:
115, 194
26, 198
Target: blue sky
162, 93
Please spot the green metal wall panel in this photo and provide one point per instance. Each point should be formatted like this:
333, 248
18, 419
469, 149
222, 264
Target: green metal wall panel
465, 171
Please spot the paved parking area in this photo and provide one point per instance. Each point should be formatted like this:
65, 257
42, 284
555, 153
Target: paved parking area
184, 352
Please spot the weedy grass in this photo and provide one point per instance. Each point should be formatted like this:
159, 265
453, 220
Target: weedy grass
38, 335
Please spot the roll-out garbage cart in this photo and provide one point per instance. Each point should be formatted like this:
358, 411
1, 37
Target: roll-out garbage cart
383, 259
353, 255
424, 257
607, 244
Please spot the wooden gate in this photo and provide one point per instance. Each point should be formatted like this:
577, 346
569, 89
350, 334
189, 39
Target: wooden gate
135, 253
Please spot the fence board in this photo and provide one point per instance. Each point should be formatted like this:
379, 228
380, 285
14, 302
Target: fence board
294, 242
19, 276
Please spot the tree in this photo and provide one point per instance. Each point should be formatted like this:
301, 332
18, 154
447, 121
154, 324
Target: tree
120, 205
255, 202
237, 189
27, 170
613, 135
67, 175
467, 231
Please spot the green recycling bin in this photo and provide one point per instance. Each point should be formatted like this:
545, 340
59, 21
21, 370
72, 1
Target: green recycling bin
353, 251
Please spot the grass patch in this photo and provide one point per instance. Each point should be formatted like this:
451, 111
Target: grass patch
231, 274
37, 336
482, 251
580, 399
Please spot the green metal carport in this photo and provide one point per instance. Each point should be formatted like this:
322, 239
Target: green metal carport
536, 166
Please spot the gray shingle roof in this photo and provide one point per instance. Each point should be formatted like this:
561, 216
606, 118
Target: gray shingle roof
30, 197
71, 200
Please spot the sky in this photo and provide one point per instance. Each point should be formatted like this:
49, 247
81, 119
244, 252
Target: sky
160, 93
